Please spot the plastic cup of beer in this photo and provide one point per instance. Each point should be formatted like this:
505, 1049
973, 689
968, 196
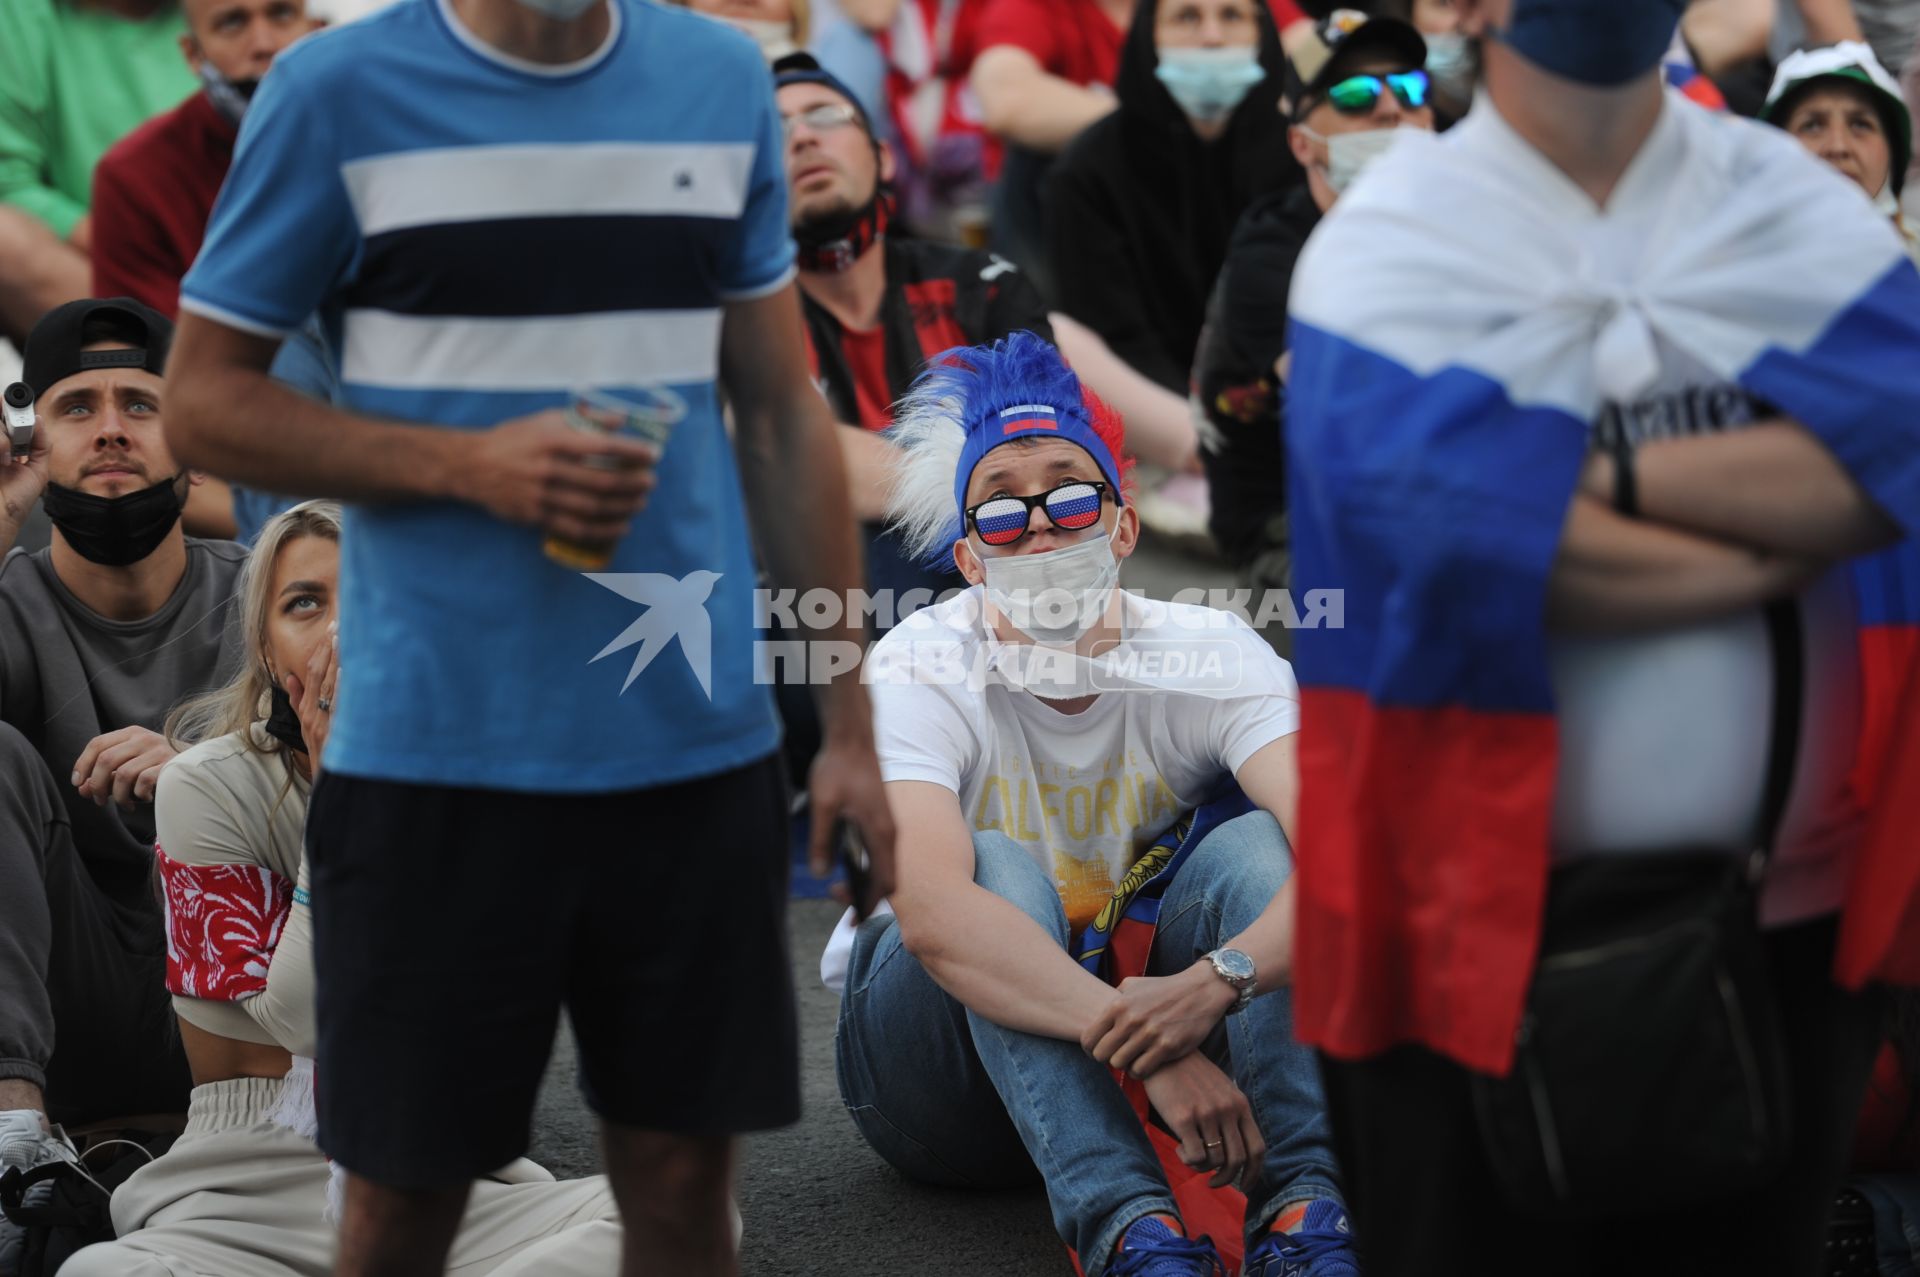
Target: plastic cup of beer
648, 413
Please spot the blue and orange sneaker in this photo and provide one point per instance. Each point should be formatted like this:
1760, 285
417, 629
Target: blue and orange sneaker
1154, 1249
1321, 1246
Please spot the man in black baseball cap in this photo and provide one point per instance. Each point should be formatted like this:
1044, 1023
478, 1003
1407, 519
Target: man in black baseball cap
79, 357
128, 334
101, 632
1336, 45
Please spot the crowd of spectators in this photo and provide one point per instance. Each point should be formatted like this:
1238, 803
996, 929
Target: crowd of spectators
1108, 205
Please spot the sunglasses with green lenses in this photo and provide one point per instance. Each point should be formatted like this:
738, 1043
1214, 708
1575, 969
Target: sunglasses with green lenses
1359, 93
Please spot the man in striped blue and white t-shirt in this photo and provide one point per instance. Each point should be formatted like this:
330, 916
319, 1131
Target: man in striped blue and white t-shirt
489, 204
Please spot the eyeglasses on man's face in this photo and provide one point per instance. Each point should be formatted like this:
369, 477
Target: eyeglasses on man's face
820, 119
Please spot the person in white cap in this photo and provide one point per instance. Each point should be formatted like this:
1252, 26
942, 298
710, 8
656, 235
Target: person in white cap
1843, 106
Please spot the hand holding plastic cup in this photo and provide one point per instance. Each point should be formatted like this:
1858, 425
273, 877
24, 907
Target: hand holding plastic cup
649, 413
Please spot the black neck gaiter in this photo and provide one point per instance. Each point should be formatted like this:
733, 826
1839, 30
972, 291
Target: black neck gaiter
833, 244
114, 531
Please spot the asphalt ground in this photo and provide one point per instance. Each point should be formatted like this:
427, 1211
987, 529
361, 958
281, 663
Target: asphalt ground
815, 1200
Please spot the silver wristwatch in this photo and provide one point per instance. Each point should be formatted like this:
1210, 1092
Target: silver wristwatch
1237, 969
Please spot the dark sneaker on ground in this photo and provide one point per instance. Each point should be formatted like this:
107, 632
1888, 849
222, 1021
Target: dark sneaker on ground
25, 1145
1321, 1247
13, 1237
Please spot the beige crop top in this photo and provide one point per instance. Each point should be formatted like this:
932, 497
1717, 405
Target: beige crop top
222, 803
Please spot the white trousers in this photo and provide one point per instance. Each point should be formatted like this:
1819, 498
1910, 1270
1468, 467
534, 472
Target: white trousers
238, 1196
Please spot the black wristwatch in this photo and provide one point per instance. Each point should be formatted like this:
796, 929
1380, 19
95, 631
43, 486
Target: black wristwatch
1626, 486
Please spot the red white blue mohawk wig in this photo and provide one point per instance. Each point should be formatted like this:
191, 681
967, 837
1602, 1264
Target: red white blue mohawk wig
969, 401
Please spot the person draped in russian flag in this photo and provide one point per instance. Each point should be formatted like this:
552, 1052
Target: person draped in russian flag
1604, 413
1092, 789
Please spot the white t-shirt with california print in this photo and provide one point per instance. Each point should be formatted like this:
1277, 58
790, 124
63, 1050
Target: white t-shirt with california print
1084, 794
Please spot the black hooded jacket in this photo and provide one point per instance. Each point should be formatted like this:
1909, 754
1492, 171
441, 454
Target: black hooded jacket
1140, 210
1234, 378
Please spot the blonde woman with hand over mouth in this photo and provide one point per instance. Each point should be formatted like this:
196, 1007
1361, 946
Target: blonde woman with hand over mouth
246, 1189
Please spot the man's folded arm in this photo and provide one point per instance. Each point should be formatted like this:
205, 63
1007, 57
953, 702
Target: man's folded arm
1772, 486
1615, 574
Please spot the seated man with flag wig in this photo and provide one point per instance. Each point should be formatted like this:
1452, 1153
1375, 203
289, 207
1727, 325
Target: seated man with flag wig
1094, 789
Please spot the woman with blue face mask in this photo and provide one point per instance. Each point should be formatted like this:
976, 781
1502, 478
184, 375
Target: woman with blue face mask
1141, 207
245, 1188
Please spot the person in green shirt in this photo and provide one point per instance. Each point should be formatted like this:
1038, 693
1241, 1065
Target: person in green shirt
75, 77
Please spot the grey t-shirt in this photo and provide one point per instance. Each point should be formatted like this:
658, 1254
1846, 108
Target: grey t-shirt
68, 675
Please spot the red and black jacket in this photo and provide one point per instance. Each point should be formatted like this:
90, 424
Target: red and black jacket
937, 297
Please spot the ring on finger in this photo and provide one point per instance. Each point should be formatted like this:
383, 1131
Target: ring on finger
325, 704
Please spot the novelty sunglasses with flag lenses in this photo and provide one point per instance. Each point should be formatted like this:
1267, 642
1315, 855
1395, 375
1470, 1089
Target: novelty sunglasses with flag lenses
1071, 507
1358, 93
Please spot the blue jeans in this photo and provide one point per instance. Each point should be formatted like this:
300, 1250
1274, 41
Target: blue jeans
949, 1097
1896, 1220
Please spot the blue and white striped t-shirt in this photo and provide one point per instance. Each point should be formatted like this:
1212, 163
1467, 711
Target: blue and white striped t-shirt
481, 235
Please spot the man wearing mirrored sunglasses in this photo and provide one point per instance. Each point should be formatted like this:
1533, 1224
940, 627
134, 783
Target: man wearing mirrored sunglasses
1348, 88
1043, 766
1351, 82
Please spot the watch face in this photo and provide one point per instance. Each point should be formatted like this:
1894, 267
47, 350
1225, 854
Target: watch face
1236, 964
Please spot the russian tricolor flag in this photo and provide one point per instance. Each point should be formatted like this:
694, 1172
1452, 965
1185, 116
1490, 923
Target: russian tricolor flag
1453, 340
1031, 416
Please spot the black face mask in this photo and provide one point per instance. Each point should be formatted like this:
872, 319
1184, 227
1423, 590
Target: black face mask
283, 724
229, 97
114, 531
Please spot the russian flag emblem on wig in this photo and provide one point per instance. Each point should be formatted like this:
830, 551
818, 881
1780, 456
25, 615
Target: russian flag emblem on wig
971, 400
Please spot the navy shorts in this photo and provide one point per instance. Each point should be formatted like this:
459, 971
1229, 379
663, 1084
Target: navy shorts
451, 925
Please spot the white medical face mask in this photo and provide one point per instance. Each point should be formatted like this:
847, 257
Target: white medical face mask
1056, 596
1349, 154
1209, 83
563, 10
1451, 63
774, 38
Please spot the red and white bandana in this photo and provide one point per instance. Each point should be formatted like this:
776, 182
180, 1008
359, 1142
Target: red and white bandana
223, 922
